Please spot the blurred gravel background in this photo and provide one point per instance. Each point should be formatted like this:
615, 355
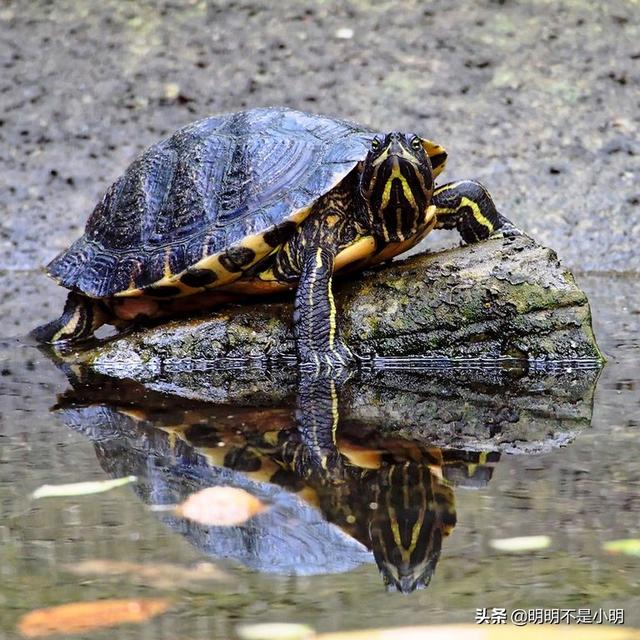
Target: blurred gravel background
538, 99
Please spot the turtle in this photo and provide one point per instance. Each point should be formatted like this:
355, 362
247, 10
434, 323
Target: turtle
257, 202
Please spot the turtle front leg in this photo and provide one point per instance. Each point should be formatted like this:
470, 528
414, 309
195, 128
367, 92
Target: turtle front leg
317, 416
80, 318
468, 207
319, 348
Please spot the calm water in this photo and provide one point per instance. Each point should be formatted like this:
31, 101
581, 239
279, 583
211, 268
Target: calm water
313, 556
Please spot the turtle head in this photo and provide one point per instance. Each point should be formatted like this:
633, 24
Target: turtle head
413, 513
397, 185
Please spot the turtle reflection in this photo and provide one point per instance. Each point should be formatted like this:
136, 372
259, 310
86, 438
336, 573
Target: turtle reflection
335, 494
392, 496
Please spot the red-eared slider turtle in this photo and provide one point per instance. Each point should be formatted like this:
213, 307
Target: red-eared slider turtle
255, 202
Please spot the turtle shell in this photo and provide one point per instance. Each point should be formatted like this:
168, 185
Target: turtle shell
202, 206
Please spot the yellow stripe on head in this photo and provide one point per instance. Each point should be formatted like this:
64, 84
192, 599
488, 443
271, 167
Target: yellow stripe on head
396, 174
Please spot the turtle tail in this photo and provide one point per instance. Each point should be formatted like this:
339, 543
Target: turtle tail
80, 318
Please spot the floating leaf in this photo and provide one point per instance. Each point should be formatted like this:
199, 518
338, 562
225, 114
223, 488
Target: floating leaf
521, 544
488, 632
628, 546
79, 488
158, 575
276, 631
220, 506
79, 617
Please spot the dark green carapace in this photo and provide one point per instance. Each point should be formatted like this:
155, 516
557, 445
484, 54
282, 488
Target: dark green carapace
256, 202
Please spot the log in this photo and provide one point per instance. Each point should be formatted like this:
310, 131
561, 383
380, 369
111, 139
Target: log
486, 347
503, 298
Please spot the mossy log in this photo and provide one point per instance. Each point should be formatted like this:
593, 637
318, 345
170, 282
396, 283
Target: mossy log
496, 299
464, 346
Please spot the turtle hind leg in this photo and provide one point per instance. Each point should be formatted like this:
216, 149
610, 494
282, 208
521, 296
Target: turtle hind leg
80, 318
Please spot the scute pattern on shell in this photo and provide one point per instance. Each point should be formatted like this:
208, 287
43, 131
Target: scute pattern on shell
204, 189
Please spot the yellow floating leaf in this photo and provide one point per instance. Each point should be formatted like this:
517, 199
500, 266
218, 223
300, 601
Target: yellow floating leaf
488, 632
276, 631
79, 617
628, 546
220, 506
80, 488
521, 544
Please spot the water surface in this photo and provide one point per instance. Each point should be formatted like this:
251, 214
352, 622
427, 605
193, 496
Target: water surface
309, 558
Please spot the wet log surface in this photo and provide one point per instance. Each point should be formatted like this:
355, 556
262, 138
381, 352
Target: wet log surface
484, 347
500, 298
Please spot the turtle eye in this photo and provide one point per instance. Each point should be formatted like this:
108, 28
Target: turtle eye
416, 143
375, 144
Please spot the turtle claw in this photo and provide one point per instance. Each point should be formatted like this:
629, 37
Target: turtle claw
507, 230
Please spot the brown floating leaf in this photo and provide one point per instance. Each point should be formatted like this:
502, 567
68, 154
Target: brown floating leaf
489, 632
220, 506
78, 617
158, 575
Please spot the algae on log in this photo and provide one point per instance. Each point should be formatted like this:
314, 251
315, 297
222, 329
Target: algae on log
501, 297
